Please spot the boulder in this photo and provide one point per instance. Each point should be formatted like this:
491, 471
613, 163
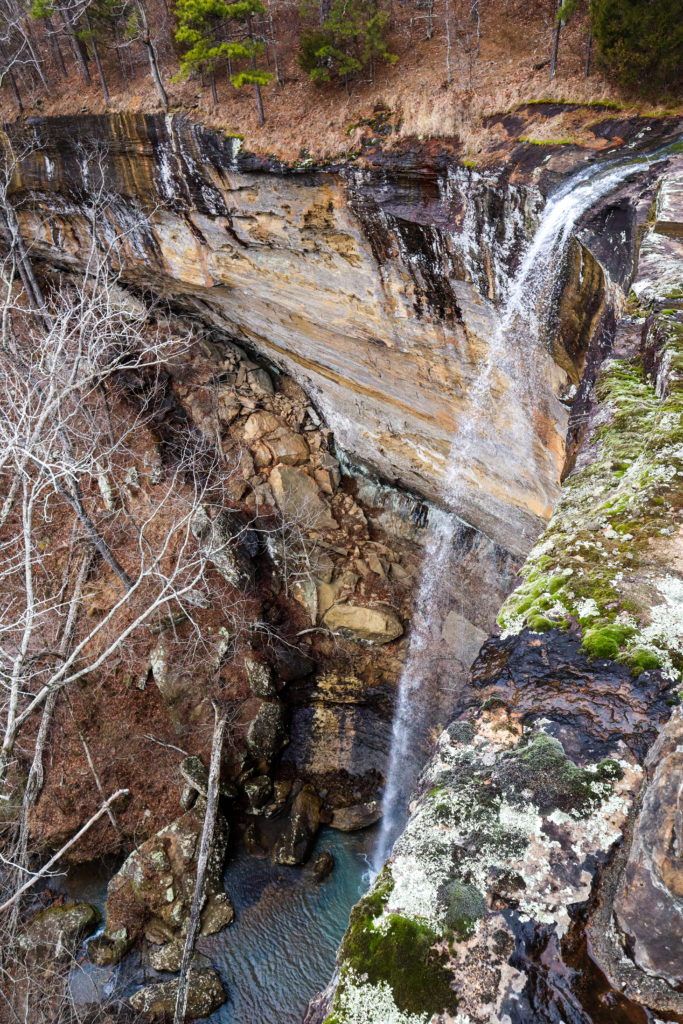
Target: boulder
323, 866
261, 423
157, 1002
258, 791
259, 678
170, 957
300, 500
152, 892
371, 625
347, 819
267, 732
296, 842
56, 933
288, 447
225, 544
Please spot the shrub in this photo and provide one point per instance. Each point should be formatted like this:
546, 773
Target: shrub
640, 40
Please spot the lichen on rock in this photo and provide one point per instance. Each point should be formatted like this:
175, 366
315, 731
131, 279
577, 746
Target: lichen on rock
598, 563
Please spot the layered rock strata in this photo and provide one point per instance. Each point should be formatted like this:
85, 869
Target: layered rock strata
375, 285
543, 839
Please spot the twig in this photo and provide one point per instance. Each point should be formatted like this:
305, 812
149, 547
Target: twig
171, 746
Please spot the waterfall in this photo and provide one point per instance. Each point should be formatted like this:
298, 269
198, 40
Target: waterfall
515, 345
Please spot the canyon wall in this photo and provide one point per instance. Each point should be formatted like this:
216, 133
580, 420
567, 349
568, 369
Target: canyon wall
375, 283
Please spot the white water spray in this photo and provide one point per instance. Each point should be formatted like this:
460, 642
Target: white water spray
515, 347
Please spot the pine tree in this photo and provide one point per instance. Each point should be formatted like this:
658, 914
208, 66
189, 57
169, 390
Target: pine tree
641, 42
351, 38
203, 26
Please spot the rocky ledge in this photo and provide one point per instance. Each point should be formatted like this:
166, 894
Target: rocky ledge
538, 877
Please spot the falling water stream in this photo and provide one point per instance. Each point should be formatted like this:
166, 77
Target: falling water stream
516, 346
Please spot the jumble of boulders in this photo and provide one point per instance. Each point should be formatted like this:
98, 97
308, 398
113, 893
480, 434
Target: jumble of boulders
151, 895
285, 465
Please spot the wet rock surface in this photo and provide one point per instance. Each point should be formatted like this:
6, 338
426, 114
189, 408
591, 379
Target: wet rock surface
157, 1001
589, 702
295, 844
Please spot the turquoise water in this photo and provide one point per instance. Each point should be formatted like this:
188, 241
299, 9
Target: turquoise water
280, 950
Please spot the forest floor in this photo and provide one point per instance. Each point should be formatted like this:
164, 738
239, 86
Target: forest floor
321, 121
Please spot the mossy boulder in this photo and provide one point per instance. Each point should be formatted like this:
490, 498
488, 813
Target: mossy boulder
56, 933
267, 732
157, 1002
542, 773
152, 892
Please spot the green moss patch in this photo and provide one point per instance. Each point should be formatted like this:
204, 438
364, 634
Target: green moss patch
465, 905
400, 953
543, 772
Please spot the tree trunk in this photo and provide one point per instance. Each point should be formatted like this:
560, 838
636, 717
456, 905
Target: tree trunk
96, 55
273, 44
18, 250
79, 58
588, 54
477, 24
148, 43
13, 84
430, 19
259, 103
154, 71
202, 864
56, 48
214, 94
556, 44
25, 29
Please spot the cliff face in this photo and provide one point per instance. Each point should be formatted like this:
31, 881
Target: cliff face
538, 878
375, 286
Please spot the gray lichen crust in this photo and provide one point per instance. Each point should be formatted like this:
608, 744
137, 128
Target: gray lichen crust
505, 821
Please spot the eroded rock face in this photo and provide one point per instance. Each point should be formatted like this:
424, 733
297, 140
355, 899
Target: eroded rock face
649, 905
376, 287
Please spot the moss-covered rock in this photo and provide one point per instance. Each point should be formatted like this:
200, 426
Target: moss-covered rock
620, 501
157, 1001
542, 772
465, 905
56, 932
